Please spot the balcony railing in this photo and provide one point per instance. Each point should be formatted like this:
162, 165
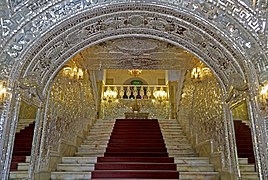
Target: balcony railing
159, 92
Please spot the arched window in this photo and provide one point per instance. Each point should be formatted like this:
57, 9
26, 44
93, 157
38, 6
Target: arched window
136, 82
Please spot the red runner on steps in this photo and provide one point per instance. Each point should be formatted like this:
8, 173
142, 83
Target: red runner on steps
22, 146
244, 141
136, 149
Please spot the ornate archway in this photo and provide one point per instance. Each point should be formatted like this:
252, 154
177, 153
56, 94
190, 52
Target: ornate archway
35, 50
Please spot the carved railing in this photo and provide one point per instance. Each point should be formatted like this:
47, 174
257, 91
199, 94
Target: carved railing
159, 92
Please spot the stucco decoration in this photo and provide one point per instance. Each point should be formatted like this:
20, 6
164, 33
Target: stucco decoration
40, 36
135, 53
237, 91
29, 88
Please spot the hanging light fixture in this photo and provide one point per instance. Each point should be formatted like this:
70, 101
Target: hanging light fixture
160, 95
198, 73
134, 72
73, 73
109, 95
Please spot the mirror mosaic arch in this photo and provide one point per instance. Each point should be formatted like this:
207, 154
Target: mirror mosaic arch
22, 56
60, 42
235, 19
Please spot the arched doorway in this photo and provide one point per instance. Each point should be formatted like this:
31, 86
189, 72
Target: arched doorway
49, 53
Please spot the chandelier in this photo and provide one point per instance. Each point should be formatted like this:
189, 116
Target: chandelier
73, 72
109, 95
160, 95
198, 73
134, 72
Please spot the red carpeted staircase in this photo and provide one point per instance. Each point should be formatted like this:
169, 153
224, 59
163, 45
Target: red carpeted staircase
22, 146
136, 149
244, 141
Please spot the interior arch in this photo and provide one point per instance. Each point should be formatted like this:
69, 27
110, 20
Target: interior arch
45, 58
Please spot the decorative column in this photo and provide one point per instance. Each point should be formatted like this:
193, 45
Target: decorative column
9, 124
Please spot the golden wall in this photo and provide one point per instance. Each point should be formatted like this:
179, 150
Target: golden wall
201, 114
71, 110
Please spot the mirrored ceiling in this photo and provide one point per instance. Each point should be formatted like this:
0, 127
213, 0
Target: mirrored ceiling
135, 53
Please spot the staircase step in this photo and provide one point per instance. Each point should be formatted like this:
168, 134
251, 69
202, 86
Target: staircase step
136, 154
136, 140
244, 141
137, 137
191, 160
174, 135
195, 168
179, 147
18, 175
71, 175
76, 167
92, 146
86, 141
23, 166
79, 160
135, 166
183, 155
199, 175
136, 132
101, 138
134, 174
137, 159
138, 149
247, 167
249, 175
181, 151
98, 135
243, 160
90, 154
110, 158
95, 149
18, 158
119, 145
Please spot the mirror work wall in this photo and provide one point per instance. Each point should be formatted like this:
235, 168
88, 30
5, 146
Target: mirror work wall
38, 37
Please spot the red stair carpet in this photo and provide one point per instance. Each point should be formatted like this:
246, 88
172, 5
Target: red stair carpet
22, 146
244, 141
136, 149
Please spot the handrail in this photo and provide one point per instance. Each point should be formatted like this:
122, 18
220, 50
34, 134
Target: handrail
204, 142
210, 141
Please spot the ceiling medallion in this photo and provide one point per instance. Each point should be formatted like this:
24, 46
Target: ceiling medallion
134, 72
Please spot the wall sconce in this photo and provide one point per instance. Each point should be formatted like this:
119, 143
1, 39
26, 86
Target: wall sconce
198, 73
109, 95
160, 95
73, 73
264, 96
134, 72
3, 92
